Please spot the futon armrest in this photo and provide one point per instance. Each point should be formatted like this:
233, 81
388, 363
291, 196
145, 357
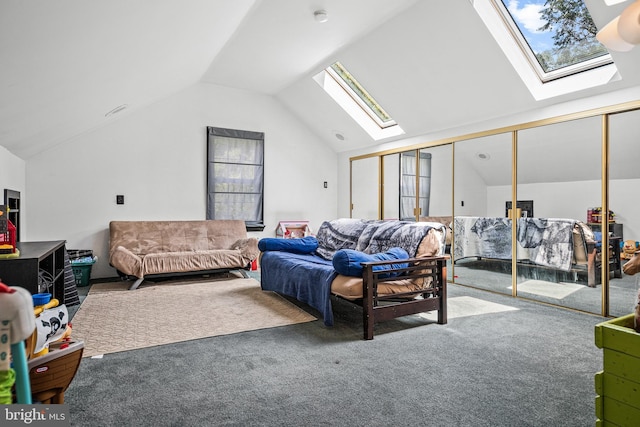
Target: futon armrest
126, 261
431, 271
248, 247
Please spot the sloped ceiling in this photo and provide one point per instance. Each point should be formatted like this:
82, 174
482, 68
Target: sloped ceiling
66, 63
432, 64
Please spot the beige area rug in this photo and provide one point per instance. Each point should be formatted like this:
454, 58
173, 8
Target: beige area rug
469, 306
113, 319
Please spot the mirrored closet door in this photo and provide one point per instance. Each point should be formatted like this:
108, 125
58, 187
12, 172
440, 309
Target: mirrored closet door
435, 199
624, 186
365, 188
482, 232
559, 170
563, 241
391, 186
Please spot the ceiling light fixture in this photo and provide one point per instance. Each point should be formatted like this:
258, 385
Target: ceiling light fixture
116, 110
483, 156
623, 32
320, 16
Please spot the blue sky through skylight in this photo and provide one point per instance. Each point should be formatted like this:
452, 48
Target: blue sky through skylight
526, 14
577, 45
564, 59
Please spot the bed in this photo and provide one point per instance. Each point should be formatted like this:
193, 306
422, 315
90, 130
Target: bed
565, 245
385, 288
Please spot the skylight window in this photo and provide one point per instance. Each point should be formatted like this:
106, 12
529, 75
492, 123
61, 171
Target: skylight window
551, 44
343, 87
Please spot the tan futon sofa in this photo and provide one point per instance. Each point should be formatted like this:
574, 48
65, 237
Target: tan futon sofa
145, 248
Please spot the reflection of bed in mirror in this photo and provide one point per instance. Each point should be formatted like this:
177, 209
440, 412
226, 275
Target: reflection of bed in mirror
553, 249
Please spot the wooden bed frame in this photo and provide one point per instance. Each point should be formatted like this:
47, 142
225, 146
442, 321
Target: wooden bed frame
378, 307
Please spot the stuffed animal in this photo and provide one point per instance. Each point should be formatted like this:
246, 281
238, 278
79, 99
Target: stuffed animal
628, 249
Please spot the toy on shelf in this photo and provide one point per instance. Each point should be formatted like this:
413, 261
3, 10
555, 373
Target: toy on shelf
293, 229
7, 235
594, 215
17, 323
54, 357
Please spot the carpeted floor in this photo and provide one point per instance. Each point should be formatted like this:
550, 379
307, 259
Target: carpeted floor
499, 361
622, 291
113, 319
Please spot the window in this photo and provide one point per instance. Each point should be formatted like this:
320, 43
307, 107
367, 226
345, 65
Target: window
343, 87
235, 176
550, 43
408, 173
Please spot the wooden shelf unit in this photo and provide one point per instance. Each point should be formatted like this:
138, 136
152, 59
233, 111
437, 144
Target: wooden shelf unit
36, 259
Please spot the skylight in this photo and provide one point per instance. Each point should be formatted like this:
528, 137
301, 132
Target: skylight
551, 44
343, 87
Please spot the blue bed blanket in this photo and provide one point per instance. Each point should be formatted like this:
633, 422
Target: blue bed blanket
305, 277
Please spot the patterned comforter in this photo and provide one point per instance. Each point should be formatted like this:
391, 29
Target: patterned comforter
543, 241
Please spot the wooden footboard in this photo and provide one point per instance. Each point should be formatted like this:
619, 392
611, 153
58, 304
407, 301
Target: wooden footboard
376, 308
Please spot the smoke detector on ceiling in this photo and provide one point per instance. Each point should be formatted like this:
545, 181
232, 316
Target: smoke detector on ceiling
339, 135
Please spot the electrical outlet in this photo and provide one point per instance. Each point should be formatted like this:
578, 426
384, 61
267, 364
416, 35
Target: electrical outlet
325, 184
120, 199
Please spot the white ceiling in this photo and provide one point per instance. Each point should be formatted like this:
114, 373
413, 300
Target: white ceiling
432, 64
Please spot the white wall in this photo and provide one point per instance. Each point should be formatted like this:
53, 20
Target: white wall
441, 185
623, 200
156, 158
471, 189
13, 177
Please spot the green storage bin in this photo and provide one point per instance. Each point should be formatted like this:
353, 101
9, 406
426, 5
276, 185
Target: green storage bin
82, 272
618, 385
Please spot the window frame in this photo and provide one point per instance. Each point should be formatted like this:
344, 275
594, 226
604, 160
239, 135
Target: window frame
256, 224
527, 51
352, 103
540, 90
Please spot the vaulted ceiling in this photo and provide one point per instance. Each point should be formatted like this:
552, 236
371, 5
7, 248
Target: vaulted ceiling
432, 64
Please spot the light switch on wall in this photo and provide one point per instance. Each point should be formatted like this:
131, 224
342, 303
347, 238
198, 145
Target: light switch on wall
120, 199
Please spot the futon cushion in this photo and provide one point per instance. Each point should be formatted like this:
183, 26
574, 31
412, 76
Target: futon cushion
348, 262
305, 245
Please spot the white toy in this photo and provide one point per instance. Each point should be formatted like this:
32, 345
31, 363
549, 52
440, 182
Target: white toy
17, 323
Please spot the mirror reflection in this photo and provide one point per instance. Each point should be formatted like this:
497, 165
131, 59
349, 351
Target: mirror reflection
560, 222
482, 233
559, 245
435, 190
624, 179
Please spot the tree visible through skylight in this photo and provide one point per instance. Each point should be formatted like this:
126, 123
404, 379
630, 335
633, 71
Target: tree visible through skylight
560, 33
343, 87
361, 92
